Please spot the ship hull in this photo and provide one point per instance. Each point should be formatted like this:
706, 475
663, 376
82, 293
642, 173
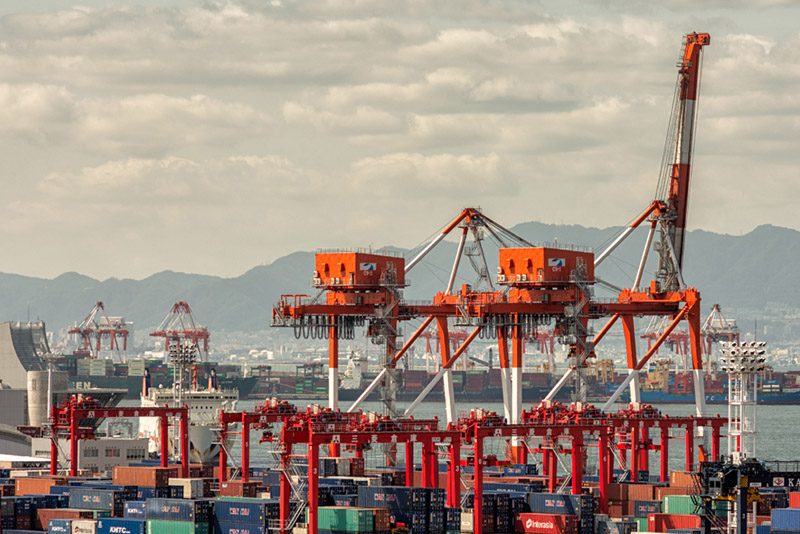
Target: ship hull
133, 384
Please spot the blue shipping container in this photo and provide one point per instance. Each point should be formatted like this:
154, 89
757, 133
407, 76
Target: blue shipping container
554, 503
60, 526
121, 526
786, 519
136, 509
238, 528
642, 508
95, 499
197, 511
255, 511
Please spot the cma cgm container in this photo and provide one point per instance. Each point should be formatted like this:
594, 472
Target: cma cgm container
255, 511
197, 511
543, 265
121, 526
358, 270
546, 523
96, 499
238, 528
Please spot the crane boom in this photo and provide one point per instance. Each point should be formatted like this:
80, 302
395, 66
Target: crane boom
674, 182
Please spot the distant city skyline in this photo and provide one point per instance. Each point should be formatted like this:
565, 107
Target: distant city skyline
212, 137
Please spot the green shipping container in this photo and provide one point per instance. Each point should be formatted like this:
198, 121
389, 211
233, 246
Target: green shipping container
680, 504
342, 518
721, 509
642, 524
158, 526
96, 514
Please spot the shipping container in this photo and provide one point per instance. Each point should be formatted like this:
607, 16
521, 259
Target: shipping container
158, 526
135, 510
546, 523
642, 509
147, 477
237, 488
680, 504
346, 519
36, 485
662, 522
197, 511
59, 526
786, 519
96, 499
121, 526
246, 511
239, 528
43, 516
84, 526
193, 488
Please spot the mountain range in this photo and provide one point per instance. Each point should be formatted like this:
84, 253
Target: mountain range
747, 271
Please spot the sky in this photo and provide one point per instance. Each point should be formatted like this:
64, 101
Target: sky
211, 137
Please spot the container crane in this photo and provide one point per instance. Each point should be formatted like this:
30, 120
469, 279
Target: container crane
180, 325
93, 327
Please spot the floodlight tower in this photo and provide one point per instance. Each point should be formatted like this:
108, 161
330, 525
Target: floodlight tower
742, 361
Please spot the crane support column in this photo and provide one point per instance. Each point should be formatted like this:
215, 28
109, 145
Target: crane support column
223, 453
313, 487
634, 454
410, 464
185, 444
333, 375
517, 447
603, 468
447, 378
164, 440
664, 453
478, 484
73, 443
505, 377
690, 447
577, 461
245, 449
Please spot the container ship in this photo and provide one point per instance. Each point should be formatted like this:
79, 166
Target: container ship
85, 371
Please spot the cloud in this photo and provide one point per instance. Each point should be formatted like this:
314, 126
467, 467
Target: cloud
148, 124
254, 125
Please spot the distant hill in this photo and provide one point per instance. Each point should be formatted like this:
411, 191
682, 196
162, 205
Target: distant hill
737, 271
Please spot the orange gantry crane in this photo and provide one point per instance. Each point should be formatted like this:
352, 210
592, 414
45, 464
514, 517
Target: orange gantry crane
539, 286
94, 328
180, 326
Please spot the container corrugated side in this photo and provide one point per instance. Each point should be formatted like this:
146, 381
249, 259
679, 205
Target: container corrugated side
158, 526
121, 526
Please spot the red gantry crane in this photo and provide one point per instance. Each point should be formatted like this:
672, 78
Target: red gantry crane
179, 326
93, 329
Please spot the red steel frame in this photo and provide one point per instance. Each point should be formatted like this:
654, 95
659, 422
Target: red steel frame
73, 415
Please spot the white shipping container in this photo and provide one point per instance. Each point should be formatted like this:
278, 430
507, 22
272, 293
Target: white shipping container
84, 526
192, 487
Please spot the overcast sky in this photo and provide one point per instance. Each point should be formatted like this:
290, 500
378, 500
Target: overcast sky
212, 137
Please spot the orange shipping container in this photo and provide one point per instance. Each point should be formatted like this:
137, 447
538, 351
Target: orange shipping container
37, 485
147, 477
640, 492
794, 499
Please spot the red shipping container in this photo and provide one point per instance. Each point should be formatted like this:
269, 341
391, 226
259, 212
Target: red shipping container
794, 499
43, 516
546, 523
662, 522
237, 488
